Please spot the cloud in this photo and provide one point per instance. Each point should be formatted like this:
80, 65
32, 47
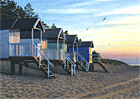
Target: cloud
79, 4
69, 11
104, 0
129, 10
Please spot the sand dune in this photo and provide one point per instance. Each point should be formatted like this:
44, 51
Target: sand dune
121, 82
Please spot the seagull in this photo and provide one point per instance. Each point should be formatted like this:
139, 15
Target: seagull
104, 18
87, 28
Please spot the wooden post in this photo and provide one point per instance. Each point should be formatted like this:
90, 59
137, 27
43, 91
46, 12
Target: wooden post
77, 51
93, 68
73, 51
48, 70
32, 40
64, 52
76, 65
74, 70
12, 67
20, 68
71, 69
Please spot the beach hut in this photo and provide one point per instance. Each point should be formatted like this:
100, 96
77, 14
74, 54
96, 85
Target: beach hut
13, 48
72, 42
55, 41
83, 54
85, 49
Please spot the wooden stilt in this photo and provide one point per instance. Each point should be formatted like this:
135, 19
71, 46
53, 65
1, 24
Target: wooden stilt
93, 68
76, 65
12, 68
20, 68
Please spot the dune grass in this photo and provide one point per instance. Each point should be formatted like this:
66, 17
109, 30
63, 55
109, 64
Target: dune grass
110, 61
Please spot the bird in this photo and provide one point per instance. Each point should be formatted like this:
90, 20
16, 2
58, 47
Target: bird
87, 28
104, 18
108, 44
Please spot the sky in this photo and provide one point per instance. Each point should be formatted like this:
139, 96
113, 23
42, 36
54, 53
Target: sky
117, 37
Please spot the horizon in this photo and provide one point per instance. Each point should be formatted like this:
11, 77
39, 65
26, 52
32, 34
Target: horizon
115, 37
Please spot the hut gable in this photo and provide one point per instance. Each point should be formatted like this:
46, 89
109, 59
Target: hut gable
71, 39
86, 44
53, 33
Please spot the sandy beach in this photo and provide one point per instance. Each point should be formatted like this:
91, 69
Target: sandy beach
122, 81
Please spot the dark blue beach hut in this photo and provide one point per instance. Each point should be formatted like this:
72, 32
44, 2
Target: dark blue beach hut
84, 49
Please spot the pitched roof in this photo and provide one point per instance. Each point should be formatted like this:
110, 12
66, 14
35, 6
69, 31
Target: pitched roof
21, 24
86, 44
6, 24
25, 23
48, 34
52, 33
71, 38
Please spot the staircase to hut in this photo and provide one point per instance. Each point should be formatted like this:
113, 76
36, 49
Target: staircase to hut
103, 67
43, 66
64, 61
84, 64
61, 63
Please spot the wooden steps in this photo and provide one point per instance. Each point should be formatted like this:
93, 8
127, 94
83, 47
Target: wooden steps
102, 67
83, 66
61, 63
44, 67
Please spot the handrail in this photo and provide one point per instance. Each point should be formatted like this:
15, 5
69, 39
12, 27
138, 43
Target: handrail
67, 58
87, 63
44, 57
43, 54
82, 57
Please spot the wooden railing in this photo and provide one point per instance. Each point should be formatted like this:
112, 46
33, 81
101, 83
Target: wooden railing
72, 56
53, 54
68, 60
22, 49
84, 60
96, 57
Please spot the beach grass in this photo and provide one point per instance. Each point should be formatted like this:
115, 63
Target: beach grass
111, 61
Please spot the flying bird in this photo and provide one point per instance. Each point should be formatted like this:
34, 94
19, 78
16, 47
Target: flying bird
87, 28
104, 18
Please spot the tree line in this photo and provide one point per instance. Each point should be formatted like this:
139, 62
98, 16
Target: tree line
10, 10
